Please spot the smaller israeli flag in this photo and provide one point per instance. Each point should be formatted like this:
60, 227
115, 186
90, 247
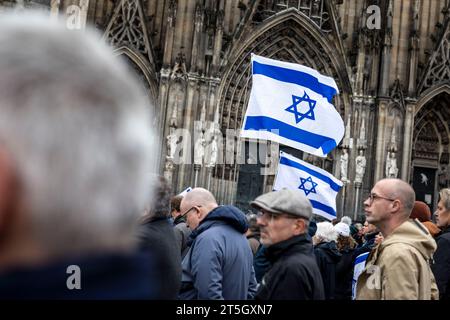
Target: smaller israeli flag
319, 186
360, 264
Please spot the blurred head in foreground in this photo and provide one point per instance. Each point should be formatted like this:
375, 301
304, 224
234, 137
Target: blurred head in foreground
75, 145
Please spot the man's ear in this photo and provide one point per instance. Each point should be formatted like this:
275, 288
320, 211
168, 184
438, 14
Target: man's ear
396, 206
299, 226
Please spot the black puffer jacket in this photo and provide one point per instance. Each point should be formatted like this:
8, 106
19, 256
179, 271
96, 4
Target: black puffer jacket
294, 274
328, 257
441, 266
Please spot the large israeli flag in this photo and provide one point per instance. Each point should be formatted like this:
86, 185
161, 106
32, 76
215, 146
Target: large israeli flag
319, 186
291, 104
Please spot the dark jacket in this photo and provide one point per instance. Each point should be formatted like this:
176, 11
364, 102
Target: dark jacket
219, 264
101, 277
158, 237
182, 233
328, 257
344, 275
260, 263
441, 266
294, 274
367, 246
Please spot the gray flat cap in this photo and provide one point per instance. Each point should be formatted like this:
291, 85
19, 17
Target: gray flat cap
292, 202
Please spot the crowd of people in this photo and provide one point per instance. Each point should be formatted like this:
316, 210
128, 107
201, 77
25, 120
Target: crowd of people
75, 190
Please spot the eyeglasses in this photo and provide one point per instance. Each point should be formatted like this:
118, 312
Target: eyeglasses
373, 196
194, 207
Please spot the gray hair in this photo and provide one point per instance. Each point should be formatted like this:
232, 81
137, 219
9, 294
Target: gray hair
403, 191
78, 128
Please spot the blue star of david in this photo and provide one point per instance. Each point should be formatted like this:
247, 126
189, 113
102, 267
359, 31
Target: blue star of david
312, 184
298, 115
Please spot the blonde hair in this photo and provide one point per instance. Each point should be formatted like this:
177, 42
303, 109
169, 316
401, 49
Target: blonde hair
444, 195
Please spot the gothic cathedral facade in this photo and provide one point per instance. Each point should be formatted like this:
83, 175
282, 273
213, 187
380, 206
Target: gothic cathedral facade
389, 58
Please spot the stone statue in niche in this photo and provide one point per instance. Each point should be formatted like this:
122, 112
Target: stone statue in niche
172, 141
344, 165
391, 166
214, 150
199, 149
361, 163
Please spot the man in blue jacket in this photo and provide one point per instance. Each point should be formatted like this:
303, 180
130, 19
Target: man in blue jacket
219, 264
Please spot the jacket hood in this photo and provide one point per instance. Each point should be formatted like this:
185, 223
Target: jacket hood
413, 233
330, 249
229, 215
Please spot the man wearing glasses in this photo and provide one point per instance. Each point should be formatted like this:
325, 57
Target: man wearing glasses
294, 275
398, 268
219, 263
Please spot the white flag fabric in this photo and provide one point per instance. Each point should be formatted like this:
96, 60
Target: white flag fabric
185, 191
319, 186
359, 265
291, 104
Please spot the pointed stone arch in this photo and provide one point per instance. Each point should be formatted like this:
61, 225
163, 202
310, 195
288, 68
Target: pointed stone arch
127, 28
431, 136
289, 36
144, 68
429, 94
437, 70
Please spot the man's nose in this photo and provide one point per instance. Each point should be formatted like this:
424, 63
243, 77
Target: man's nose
366, 203
260, 221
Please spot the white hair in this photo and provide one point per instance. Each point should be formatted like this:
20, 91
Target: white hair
347, 220
325, 232
77, 125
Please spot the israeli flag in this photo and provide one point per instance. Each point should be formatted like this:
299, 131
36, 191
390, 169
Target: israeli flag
360, 264
291, 104
319, 186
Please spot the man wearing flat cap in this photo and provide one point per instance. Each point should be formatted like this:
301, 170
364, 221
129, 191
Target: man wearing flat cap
294, 275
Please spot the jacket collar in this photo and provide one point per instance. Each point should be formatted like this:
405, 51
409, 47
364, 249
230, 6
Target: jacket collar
301, 243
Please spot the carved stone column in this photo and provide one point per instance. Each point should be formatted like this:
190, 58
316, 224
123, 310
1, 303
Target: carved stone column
407, 140
379, 172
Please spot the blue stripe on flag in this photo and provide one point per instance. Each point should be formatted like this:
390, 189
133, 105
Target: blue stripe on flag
292, 133
324, 178
361, 257
320, 206
294, 76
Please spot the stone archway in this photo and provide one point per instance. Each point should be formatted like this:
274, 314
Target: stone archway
289, 36
431, 142
142, 69
147, 81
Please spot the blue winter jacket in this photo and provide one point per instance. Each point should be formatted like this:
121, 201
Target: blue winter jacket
219, 264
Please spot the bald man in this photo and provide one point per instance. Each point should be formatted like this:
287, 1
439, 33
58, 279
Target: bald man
219, 263
398, 268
